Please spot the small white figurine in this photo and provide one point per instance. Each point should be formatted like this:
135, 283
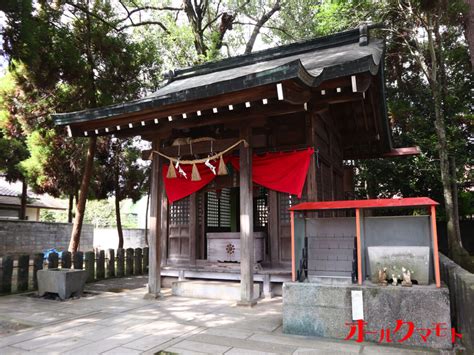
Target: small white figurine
383, 276
406, 278
395, 279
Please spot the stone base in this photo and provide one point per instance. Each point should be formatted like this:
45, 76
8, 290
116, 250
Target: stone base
64, 282
324, 310
153, 296
248, 304
220, 290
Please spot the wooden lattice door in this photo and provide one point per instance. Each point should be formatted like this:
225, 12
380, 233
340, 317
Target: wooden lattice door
179, 231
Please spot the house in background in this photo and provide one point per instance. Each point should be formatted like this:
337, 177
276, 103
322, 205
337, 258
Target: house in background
10, 202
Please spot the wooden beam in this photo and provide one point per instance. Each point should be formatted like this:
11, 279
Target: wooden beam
363, 81
294, 93
154, 275
247, 244
252, 114
199, 147
162, 112
333, 99
399, 152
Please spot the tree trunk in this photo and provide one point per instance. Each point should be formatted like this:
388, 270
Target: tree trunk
117, 201
454, 239
70, 208
24, 199
258, 26
195, 19
469, 32
81, 204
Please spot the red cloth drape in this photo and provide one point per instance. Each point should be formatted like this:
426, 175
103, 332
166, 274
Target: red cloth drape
284, 172
180, 187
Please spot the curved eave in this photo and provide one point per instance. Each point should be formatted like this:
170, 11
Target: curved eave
291, 70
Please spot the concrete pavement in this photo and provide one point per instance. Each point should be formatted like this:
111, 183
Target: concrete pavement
123, 322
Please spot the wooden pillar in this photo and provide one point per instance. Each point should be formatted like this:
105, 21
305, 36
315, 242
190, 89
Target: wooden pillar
154, 274
434, 235
311, 141
273, 232
247, 253
359, 246
293, 255
163, 218
193, 210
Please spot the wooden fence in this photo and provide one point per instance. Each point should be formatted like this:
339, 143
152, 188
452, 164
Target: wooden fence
18, 273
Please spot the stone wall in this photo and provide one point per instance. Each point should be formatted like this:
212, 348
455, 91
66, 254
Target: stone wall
107, 238
461, 289
26, 237
326, 311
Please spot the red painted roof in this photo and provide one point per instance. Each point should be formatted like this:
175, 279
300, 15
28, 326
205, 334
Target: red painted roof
375, 203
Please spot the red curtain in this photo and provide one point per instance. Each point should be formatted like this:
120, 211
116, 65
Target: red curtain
284, 172
180, 187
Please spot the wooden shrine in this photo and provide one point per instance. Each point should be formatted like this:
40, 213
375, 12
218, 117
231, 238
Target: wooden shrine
326, 94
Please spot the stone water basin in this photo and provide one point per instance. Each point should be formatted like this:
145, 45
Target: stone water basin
64, 282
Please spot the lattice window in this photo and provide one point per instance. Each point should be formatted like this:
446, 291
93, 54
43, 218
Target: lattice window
261, 209
212, 209
287, 201
224, 208
179, 212
218, 209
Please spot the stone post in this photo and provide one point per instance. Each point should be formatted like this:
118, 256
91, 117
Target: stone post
146, 258
23, 270
101, 265
110, 263
66, 260
78, 260
129, 262
120, 262
38, 261
138, 269
90, 266
53, 261
7, 272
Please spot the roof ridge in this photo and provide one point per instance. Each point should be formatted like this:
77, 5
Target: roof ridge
328, 41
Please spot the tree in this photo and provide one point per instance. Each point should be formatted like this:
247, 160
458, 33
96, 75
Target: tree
419, 95
121, 175
69, 65
12, 148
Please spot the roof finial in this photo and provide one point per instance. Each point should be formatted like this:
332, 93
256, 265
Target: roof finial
363, 34
169, 75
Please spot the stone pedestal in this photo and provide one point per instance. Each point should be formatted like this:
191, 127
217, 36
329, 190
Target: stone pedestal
326, 311
64, 282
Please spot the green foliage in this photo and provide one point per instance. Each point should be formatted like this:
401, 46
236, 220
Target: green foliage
64, 59
409, 96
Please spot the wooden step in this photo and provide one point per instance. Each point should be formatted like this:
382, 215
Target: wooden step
220, 290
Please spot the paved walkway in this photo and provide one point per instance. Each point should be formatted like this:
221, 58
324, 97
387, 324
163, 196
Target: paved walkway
123, 322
